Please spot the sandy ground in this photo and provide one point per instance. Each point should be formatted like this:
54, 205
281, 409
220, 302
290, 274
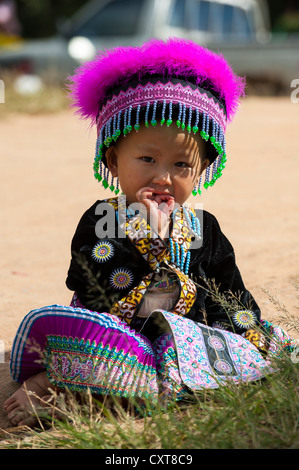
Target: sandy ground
47, 183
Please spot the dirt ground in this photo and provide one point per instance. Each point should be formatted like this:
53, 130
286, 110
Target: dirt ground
47, 183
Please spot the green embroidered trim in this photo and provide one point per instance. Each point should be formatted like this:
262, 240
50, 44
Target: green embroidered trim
81, 364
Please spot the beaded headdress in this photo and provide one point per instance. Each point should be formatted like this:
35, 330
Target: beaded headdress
176, 82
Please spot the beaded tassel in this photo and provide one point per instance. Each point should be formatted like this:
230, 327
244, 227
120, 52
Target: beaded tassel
195, 127
106, 177
102, 174
189, 120
125, 131
183, 257
178, 254
207, 178
118, 131
203, 132
178, 123
183, 125
169, 120
137, 125
147, 114
163, 113
193, 222
154, 121
129, 126
207, 124
112, 187
114, 127
97, 165
177, 250
199, 186
215, 167
109, 137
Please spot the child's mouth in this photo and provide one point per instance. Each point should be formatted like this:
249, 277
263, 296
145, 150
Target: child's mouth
160, 196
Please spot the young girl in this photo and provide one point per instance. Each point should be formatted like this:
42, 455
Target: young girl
143, 321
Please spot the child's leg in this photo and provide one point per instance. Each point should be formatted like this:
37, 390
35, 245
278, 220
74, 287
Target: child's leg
19, 405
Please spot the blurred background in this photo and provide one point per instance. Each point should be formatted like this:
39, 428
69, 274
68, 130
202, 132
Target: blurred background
41, 42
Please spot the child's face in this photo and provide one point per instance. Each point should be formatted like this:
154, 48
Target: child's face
165, 159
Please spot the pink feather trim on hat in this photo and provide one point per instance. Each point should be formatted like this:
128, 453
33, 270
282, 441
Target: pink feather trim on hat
175, 57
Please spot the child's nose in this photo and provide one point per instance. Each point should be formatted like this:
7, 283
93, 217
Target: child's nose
162, 177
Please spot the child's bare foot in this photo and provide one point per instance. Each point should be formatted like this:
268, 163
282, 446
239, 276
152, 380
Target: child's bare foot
21, 406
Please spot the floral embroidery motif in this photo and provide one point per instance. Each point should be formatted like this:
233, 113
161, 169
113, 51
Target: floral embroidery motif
102, 251
223, 366
121, 278
103, 367
216, 343
206, 367
244, 319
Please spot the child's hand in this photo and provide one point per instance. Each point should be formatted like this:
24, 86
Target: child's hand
159, 206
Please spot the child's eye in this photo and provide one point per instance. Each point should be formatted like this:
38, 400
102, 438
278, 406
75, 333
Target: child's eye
182, 164
147, 159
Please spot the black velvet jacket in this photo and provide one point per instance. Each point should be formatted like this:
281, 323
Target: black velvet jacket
115, 258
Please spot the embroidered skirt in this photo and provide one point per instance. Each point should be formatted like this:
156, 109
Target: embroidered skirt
81, 349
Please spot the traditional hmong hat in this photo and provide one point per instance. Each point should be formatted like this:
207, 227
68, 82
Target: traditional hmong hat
176, 82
